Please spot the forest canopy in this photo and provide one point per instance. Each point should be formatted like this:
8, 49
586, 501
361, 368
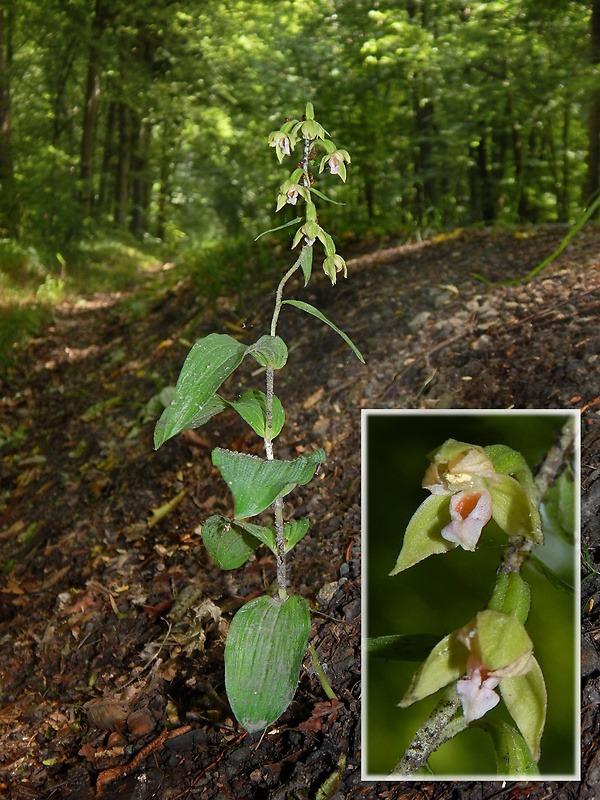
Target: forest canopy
152, 118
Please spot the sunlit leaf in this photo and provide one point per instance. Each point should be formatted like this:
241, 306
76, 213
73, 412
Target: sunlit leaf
279, 227
256, 482
229, 544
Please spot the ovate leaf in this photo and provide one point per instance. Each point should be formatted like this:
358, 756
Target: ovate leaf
256, 482
423, 533
263, 655
316, 313
294, 531
513, 756
252, 407
229, 543
269, 351
210, 361
526, 700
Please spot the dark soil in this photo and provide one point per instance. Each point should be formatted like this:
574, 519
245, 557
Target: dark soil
111, 684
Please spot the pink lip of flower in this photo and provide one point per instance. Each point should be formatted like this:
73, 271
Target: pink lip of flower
334, 166
292, 196
284, 144
469, 511
477, 696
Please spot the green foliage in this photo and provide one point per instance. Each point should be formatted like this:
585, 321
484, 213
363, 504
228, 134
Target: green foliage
267, 637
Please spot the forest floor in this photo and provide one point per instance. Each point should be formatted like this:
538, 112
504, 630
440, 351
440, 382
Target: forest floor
112, 631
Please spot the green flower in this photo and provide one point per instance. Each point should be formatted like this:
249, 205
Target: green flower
334, 264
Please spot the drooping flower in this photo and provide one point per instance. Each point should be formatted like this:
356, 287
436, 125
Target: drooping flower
334, 264
282, 143
336, 160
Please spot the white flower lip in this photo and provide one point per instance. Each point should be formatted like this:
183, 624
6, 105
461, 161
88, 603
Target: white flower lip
469, 511
477, 696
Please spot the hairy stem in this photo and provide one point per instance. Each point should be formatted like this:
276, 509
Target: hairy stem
437, 729
556, 460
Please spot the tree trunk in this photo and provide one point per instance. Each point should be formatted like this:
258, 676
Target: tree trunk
140, 194
123, 166
107, 155
488, 209
9, 207
90, 117
593, 160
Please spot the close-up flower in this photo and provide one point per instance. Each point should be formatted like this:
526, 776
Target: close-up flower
469, 513
282, 144
336, 161
334, 264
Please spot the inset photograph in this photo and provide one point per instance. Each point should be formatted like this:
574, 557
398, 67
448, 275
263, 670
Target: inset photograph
471, 623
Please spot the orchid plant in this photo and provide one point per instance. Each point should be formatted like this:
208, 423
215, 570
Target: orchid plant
490, 659
268, 636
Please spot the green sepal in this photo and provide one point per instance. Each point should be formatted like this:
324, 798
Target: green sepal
423, 533
229, 544
327, 242
310, 111
445, 664
401, 647
507, 461
263, 655
513, 755
511, 595
559, 506
269, 351
306, 264
256, 482
513, 509
503, 640
526, 700
208, 364
319, 315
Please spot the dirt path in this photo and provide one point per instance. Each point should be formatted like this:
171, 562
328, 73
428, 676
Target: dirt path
101, 657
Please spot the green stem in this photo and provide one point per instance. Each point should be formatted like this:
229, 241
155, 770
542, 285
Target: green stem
321, 674
270, 376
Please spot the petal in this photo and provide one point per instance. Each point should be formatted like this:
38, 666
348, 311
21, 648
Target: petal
477, 698
469, 512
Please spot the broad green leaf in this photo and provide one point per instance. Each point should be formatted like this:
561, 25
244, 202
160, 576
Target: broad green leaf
210, 409
400, 647
513, 510
511, 595
269, 351
256, 482
316, 313
294, 531
526, 700
445, 664
228, 542
513, 756
279, 227
423, 533
210, 361
306, 264
252, 407
551, 576
263, 655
